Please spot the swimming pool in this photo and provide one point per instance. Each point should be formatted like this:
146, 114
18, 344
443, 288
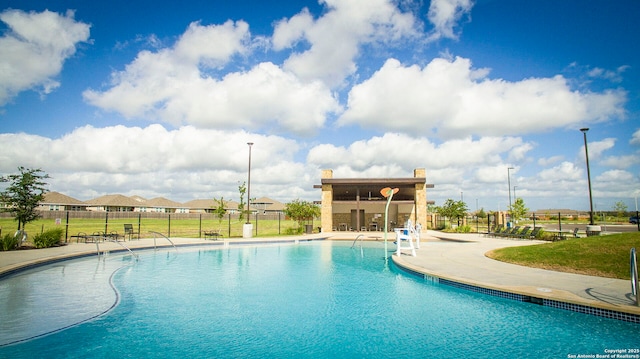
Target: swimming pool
320, 299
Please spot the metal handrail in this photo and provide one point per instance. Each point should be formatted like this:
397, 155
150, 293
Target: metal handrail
355, 240
162, 235
106, 239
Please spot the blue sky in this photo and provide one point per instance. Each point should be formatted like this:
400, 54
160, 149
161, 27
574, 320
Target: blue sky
159, 99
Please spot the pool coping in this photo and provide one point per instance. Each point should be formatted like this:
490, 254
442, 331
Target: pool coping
556, 299
34, 258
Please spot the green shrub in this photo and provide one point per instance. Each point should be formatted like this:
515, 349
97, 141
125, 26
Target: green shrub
294, 231
8, 242
48, 238
463, 229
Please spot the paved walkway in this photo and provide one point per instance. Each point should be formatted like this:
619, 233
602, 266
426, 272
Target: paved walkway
458, 257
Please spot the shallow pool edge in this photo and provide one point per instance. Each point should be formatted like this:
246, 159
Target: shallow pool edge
532, 295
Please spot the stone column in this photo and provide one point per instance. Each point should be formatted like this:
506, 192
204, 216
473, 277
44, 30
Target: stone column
421, 198
326, 211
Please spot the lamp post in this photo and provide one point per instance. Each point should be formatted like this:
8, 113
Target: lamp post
509, 184
247, 229
586, 153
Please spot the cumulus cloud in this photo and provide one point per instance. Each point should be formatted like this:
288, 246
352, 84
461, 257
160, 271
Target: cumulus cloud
621, 162
596, 148
34, 48
170, 86
445, 15
151, 160
406, 153
335, 38
451, 99
550, 160
635, 139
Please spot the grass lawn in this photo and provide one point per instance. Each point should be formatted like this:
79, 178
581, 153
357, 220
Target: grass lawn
190, 228
603, 256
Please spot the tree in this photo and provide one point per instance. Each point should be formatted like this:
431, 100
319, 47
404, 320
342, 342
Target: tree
23, 195
301, 211
620, 208
518, 209
242, 189
219, 211
453, 209
481, 213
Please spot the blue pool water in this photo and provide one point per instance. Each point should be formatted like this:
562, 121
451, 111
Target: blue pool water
320, 299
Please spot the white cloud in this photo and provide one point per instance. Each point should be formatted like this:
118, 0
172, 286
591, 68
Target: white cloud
635, 139
550, 160
154, 161
170, 86
614, 183
451, 99
596, 148
565, 171
394, 154
335, 38
621, 162
35, 48
445, 15
613, 76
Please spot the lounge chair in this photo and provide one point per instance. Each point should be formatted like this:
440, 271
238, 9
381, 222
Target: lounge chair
534, 233
508, 233
522, 234
497, 231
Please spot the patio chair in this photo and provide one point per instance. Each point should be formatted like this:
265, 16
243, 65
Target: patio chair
213, 234
575, 232
129, 231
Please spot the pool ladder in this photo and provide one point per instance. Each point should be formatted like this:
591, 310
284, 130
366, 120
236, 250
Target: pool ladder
634, 276
106, 239
161, 235
355, 240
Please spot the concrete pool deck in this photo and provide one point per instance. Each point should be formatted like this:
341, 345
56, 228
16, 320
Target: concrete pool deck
455, 257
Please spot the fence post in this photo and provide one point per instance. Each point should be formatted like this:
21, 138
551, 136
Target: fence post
106, 223
169, 230
66, 229
559, 222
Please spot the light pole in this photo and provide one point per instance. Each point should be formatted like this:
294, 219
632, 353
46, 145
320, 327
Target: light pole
249, 186
247, 229
515, 197
586, 152
509, 184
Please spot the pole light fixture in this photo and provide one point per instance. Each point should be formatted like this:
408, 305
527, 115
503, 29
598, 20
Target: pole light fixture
249, 186
586, 153
509, 184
